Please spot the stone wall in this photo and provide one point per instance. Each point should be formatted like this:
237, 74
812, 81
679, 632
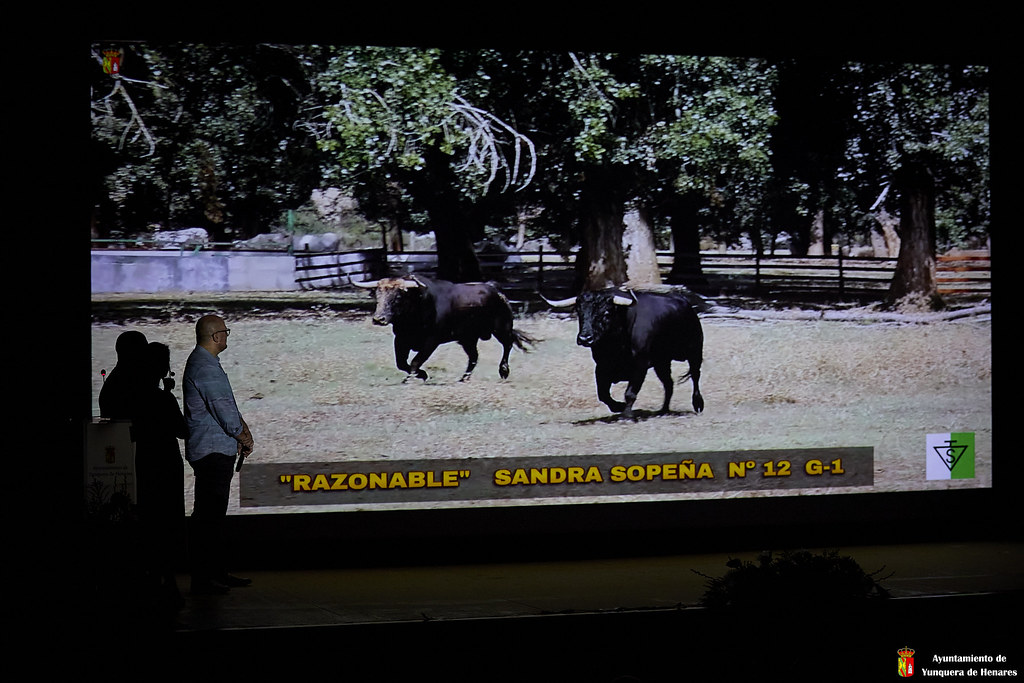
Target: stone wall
186, 270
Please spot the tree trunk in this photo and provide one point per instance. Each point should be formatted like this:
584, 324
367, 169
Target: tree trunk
391, 236
915, 266
800, 236
454, 223
456, 259
686, 267
819, 243
639, 250
600, 262
887, 229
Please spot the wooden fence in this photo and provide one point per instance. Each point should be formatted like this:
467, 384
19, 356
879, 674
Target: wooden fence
968, 272
523, 274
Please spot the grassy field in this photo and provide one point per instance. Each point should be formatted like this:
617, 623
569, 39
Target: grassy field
324, 387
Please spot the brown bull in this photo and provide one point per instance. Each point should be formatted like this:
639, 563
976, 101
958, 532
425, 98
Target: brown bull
425, 313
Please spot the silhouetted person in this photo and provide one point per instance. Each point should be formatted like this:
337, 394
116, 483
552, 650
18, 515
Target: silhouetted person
217, 435
123, 382
157, 424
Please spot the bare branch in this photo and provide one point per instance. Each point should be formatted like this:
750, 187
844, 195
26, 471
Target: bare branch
346, 105
136, 118
488, 128
135, 80
319, 131
587, 77
486, 132
881, 197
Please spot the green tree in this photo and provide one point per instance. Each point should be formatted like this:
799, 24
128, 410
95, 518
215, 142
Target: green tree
922, 130
681, 139
707, 151
808, 150
201, 136
404, 138
448, 139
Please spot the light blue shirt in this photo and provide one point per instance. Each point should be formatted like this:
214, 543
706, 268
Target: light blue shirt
211, 414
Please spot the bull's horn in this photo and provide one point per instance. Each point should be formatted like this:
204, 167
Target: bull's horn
623, 300
365, 285
561, 303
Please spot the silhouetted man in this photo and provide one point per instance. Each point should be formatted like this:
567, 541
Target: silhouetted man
160, 474
117, 395
217, 435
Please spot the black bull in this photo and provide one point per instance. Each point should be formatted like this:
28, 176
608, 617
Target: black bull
629, 332
425, 313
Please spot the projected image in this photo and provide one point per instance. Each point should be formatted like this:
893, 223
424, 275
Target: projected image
463, 278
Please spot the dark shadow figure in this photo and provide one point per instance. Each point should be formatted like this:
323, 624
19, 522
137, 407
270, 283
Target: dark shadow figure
158, 423
117, 396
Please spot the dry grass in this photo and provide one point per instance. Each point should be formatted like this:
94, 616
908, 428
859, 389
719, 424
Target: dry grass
325, 388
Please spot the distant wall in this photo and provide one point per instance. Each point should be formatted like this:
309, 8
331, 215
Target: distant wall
181, 270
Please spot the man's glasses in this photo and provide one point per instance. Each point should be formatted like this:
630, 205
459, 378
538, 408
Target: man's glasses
226, 332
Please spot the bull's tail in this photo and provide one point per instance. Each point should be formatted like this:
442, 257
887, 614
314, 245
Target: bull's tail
522, 340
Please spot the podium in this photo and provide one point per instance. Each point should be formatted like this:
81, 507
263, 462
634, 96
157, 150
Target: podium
109, 461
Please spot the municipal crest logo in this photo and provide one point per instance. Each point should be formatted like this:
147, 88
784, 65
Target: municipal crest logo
112, 62
906, 661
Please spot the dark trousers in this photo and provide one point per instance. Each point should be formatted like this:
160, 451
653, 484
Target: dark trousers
212, 488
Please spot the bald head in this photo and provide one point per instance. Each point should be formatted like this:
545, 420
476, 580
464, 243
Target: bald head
212, 333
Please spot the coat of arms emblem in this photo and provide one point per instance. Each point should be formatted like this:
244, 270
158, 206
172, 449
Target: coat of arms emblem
906, 665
